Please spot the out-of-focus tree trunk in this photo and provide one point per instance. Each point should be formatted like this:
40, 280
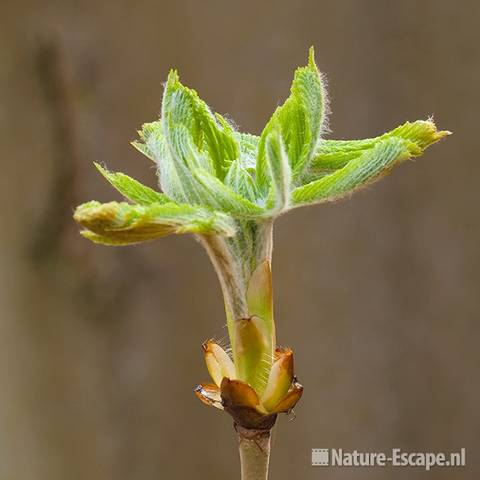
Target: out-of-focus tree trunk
99, 353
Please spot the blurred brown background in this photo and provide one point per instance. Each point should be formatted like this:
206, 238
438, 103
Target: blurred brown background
379, 296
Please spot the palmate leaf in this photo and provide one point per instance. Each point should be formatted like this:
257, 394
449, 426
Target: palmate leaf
120, 223
132, 189
300, 120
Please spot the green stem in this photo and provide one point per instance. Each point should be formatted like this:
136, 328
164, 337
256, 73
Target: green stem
254, 448
235, 260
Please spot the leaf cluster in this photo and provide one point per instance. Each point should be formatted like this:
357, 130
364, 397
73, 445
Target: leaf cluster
213, 177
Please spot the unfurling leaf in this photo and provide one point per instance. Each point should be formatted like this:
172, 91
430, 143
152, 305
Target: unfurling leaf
248, 150
221, 197
280, 173
359, 172
240, 181
330, 155
211, 134
300, 120
117, 223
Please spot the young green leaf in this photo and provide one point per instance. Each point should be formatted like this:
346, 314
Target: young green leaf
300, 119
221, 197
248, 150
357, 173
280, 173
143, 149
193, 138
331, 155
422, 132
241, 182
175, 179
150, 135
132, 189
120, 223
209, 132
